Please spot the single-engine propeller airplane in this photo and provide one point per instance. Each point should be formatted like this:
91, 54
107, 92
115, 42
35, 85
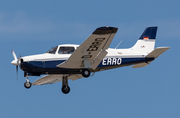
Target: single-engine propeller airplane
73, 62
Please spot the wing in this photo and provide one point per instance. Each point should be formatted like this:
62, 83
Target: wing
91, 52
50, 79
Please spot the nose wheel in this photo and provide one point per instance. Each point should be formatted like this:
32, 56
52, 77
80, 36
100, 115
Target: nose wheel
27, 84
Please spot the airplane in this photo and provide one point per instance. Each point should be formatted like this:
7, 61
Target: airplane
69, 61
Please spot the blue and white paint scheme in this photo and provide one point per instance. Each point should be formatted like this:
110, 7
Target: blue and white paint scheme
73, 62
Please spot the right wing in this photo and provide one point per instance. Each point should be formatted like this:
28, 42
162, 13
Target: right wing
91, 52
50, 79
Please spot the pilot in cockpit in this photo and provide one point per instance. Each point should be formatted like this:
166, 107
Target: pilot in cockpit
66, 50
63, 50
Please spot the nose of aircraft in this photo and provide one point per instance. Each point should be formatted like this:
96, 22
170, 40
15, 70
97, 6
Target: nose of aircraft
14, 62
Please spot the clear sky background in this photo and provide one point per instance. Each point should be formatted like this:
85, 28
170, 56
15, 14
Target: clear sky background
34, 26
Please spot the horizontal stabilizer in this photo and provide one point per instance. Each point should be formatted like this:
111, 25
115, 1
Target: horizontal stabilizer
140, 65
154, 54
157, 52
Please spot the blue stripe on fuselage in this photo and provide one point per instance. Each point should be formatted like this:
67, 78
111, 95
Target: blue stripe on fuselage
43, 64
104, 63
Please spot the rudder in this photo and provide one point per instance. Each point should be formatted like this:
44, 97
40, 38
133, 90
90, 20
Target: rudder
149, 33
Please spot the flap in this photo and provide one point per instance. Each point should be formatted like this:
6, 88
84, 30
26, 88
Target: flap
98, 59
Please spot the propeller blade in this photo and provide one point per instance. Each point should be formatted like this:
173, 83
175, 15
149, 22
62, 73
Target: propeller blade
16, 62
14, 55
19, 60
17, 72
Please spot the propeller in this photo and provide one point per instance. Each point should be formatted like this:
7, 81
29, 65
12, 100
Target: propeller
16, 72
16, 62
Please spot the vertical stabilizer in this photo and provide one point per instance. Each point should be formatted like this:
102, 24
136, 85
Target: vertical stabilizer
146, 42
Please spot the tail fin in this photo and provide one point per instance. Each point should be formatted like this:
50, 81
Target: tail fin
146, 42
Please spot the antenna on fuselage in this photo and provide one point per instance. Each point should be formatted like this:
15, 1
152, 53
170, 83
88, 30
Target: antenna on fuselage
118, 44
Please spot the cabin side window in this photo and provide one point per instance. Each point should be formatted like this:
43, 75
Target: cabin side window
66, 50
53, 50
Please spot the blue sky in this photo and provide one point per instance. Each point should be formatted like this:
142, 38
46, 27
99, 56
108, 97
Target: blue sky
33, 27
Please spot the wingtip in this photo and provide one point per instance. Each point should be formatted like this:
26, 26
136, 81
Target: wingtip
105, 30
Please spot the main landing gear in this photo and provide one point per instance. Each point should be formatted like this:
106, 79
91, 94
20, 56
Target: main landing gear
65, 88
85, 73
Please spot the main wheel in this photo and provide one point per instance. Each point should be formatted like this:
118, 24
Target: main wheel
86, 73
65, 89
27, 85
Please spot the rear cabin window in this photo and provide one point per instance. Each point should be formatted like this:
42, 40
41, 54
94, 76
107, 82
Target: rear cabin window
66, 50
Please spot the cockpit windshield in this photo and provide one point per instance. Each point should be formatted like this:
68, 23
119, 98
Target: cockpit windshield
66, 50
53, 50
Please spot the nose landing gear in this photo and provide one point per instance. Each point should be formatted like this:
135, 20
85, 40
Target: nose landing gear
27, 84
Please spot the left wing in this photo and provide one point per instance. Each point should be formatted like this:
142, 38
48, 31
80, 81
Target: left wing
91, 52
50, 79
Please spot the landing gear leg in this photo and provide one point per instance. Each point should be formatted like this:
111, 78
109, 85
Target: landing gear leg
27, 84
65, 88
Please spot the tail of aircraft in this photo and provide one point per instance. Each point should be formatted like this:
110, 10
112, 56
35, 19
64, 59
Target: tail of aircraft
146, 42
145, 45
